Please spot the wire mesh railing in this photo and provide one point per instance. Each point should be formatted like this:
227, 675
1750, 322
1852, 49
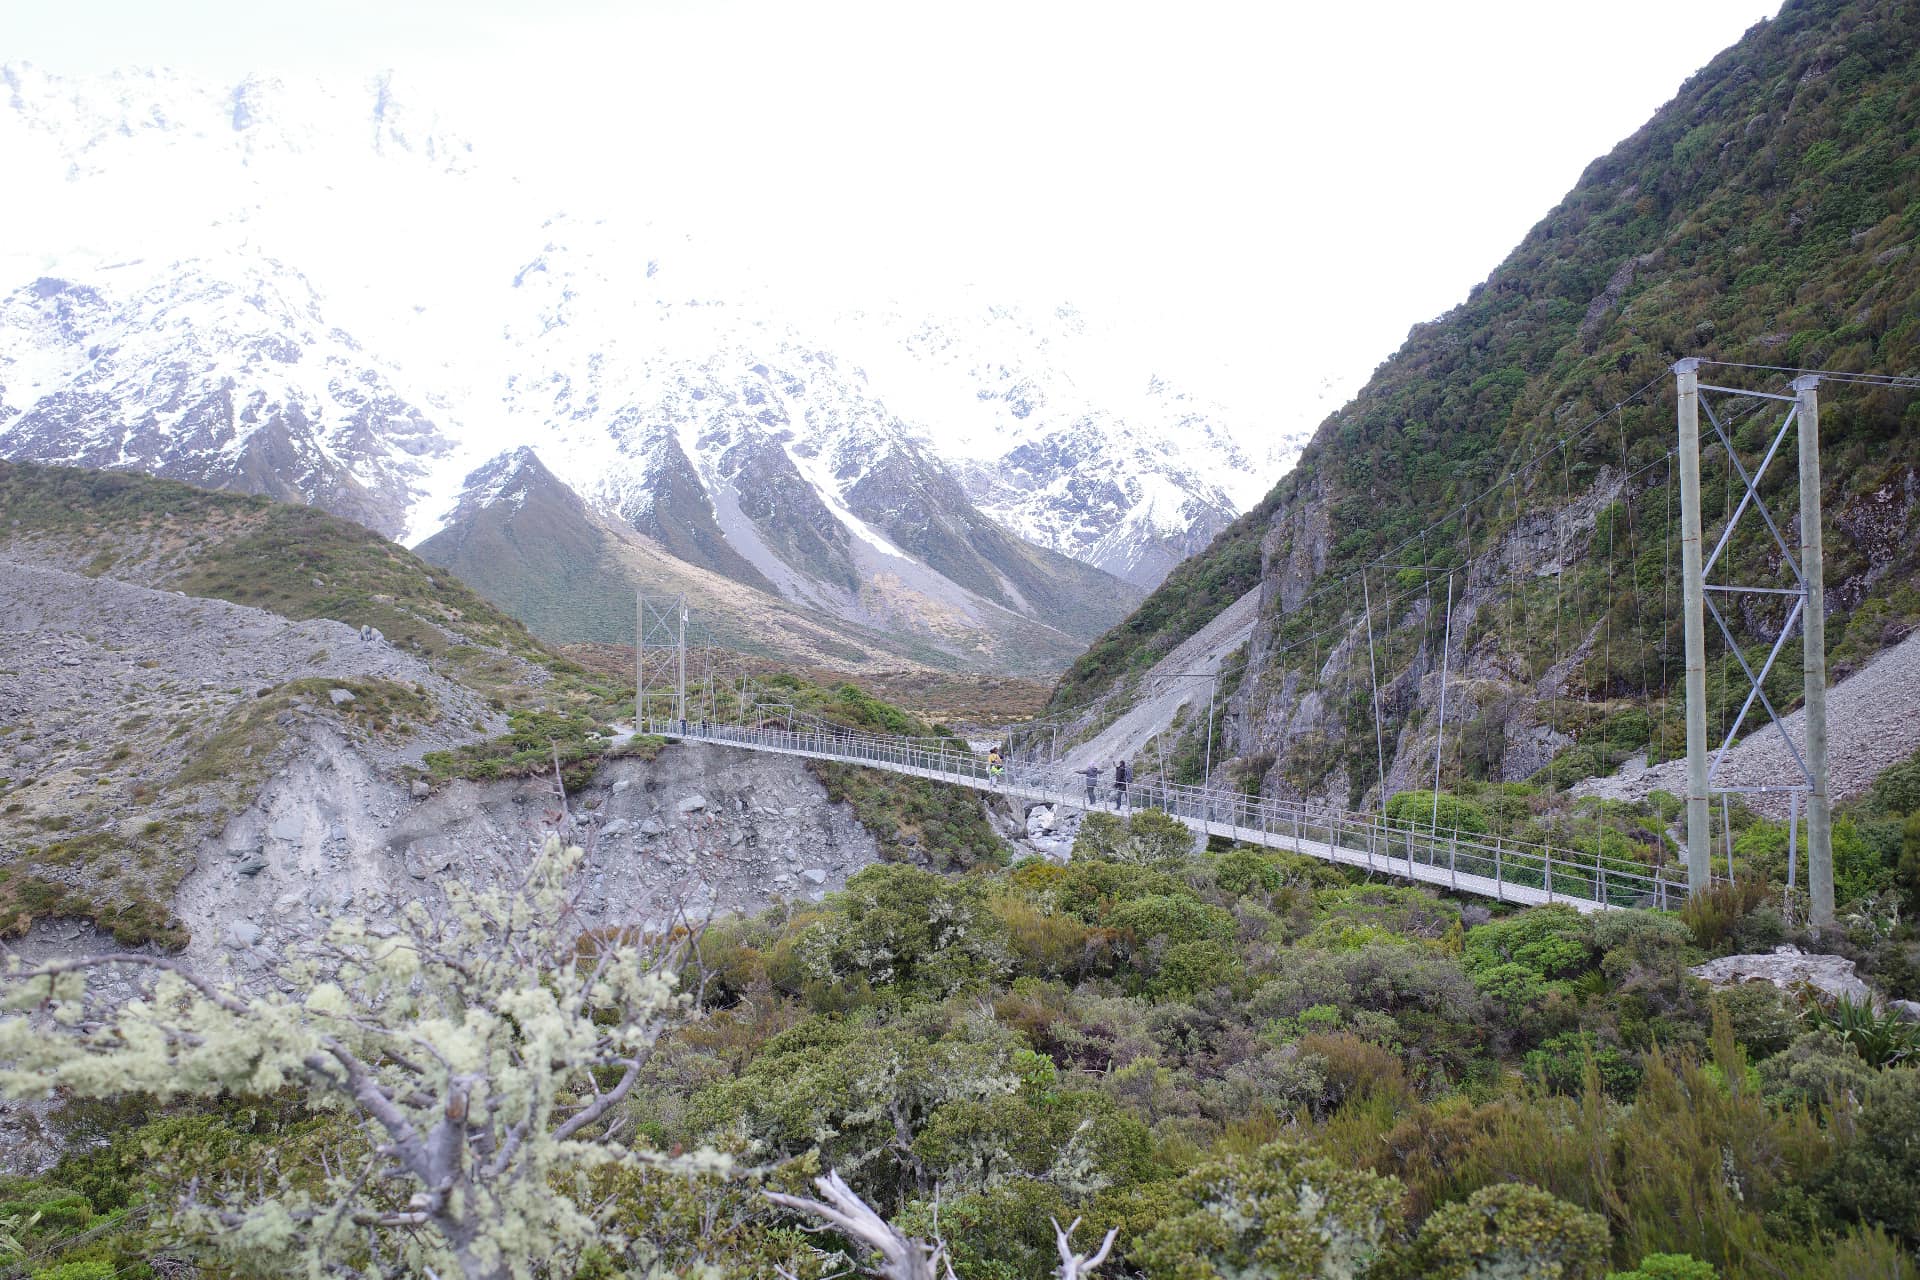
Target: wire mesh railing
1467, 861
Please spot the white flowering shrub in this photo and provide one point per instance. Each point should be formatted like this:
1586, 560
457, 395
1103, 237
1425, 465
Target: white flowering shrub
479, 1057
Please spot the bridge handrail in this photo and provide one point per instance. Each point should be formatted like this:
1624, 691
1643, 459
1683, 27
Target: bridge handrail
1558, 872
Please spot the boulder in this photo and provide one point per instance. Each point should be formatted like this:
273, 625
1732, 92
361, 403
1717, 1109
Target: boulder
692, 804
421, 790
618, 827
339, 697
242, 934
814, 875
1787, 967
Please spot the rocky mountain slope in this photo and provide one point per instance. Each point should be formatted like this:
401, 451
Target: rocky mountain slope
198, 747
533, 546
347, 307
1766, 216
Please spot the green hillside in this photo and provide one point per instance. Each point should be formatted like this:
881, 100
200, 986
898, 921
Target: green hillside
1767, 215
292, 559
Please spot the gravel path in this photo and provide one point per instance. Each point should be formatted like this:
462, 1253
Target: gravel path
1873, 721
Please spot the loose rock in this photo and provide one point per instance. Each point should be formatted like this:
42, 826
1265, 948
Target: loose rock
1786, 968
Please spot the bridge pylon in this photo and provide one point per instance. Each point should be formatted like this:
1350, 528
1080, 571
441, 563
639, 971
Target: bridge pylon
1804, 616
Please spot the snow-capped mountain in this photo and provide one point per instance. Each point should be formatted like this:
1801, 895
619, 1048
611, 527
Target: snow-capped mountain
1067, 438
338, 301
219, 372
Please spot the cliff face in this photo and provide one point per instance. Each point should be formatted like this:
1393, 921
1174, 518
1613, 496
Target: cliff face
1766, 216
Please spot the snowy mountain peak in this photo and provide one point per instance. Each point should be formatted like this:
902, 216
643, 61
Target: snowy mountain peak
337, 305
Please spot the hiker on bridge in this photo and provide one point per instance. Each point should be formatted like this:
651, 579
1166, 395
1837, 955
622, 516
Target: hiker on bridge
1121, 776
996, 765
1092, 774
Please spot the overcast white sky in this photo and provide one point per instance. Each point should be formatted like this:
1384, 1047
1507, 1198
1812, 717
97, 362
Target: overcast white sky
1232, 180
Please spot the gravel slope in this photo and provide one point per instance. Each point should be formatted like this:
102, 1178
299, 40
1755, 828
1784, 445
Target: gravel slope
1873, 721
1162, 695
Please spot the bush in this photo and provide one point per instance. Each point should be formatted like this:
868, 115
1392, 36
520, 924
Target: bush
1357, 1069
1099, 835
1668, 1266
1880, 1039
1561, 1065
1873, 1178
1714, 915
1151, 838
907, 928
1248, 873
1897, 790
1907, 871
1512, 1230
1554, 941
1760, 1017
1188, 968
97, 1269
1175, 918
1156, 839
1414, 811
1047, 944
1639, 940
1003, 1230
1095, 890
1280, 1213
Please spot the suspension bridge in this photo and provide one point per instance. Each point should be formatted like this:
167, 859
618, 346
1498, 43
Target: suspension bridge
1460, 861
1472, 862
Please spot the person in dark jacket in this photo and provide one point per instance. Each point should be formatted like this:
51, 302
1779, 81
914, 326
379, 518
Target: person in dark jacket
1121, 776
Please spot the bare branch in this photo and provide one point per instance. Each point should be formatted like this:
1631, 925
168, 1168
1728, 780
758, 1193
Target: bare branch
606, 1101
560, 785
1078, 1266
902, 1258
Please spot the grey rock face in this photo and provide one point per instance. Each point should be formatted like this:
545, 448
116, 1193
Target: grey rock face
331, 832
